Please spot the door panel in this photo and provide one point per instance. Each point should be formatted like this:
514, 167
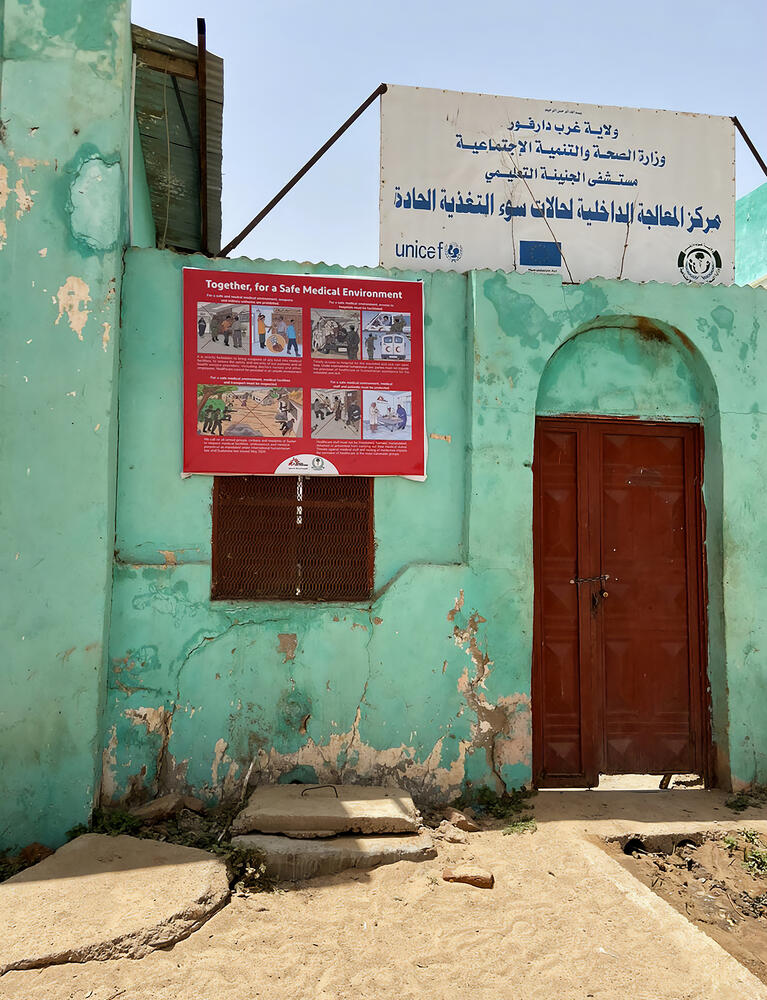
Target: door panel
647, 712
617, 678
559, 530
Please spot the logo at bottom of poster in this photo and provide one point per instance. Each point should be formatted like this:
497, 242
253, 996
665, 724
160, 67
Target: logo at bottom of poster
306, 465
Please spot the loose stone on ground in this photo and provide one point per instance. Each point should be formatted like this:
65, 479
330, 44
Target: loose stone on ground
470, 875
102, 897
446, 831
460, 820
166, 806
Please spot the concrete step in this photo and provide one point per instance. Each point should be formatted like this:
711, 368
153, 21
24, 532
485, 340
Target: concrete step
102, 897
293, 860
326, 810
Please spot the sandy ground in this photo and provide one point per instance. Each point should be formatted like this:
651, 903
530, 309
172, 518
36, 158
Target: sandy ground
564, 921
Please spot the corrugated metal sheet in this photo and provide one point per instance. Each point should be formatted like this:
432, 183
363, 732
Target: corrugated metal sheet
170, 137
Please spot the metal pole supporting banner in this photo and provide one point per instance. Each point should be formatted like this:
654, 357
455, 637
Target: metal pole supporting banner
202, 109
306, 167
750, 144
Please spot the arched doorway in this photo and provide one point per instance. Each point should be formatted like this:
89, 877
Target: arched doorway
619, 661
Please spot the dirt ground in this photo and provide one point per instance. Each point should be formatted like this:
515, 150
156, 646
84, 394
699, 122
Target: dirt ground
564, 921
712, 884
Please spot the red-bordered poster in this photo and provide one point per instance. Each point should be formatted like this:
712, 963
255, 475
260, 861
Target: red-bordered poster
289, 374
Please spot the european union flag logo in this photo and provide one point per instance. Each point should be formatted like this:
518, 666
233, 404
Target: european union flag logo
538, 253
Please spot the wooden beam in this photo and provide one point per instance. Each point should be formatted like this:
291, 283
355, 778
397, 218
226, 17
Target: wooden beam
167, 64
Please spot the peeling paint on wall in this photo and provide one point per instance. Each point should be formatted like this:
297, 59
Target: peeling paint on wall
226, 788
4, 188
170, 776
346, 759
156, 720
95, 203
72, 298
504, 729
23, 198
287, 643
108, 790
456, 607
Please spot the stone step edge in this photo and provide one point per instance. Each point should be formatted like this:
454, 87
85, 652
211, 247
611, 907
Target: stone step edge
291, 859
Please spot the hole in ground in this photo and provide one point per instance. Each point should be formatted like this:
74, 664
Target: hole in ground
716, 879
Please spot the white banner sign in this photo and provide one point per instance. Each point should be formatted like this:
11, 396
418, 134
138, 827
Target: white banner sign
474, 181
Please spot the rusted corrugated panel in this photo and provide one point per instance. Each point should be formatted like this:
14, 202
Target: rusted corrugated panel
156, 94
284, 538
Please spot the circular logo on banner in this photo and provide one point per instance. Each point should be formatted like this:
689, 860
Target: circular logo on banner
699, 264
454, 251
318, 463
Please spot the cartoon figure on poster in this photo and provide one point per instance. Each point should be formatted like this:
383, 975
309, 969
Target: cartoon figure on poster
387, 415
386, 336
240, 411
277, 332
223, 329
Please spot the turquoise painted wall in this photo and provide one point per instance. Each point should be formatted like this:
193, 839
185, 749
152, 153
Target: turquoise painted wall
429, 685
249, 674
62, 185
751, 236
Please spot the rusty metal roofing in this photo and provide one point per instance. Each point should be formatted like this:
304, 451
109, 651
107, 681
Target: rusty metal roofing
167, 115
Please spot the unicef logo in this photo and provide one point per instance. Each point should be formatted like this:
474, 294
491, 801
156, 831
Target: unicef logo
454, 252
699, 264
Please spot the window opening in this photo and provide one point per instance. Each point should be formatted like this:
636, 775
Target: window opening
292, 538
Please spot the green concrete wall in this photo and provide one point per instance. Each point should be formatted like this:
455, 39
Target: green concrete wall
751, 236
429, 685
62, 181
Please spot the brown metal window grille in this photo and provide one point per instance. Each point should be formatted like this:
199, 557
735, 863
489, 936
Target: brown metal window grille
292, 538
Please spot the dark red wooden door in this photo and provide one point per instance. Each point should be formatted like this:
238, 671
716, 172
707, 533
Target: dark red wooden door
617, 667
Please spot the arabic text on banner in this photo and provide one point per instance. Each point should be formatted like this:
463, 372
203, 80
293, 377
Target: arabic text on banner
474, 181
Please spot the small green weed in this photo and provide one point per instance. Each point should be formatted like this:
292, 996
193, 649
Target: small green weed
525, 824
754, 850
754, 796
110, 821
485, 800
755, 860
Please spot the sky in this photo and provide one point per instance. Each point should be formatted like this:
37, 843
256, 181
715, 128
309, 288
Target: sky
294, 70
